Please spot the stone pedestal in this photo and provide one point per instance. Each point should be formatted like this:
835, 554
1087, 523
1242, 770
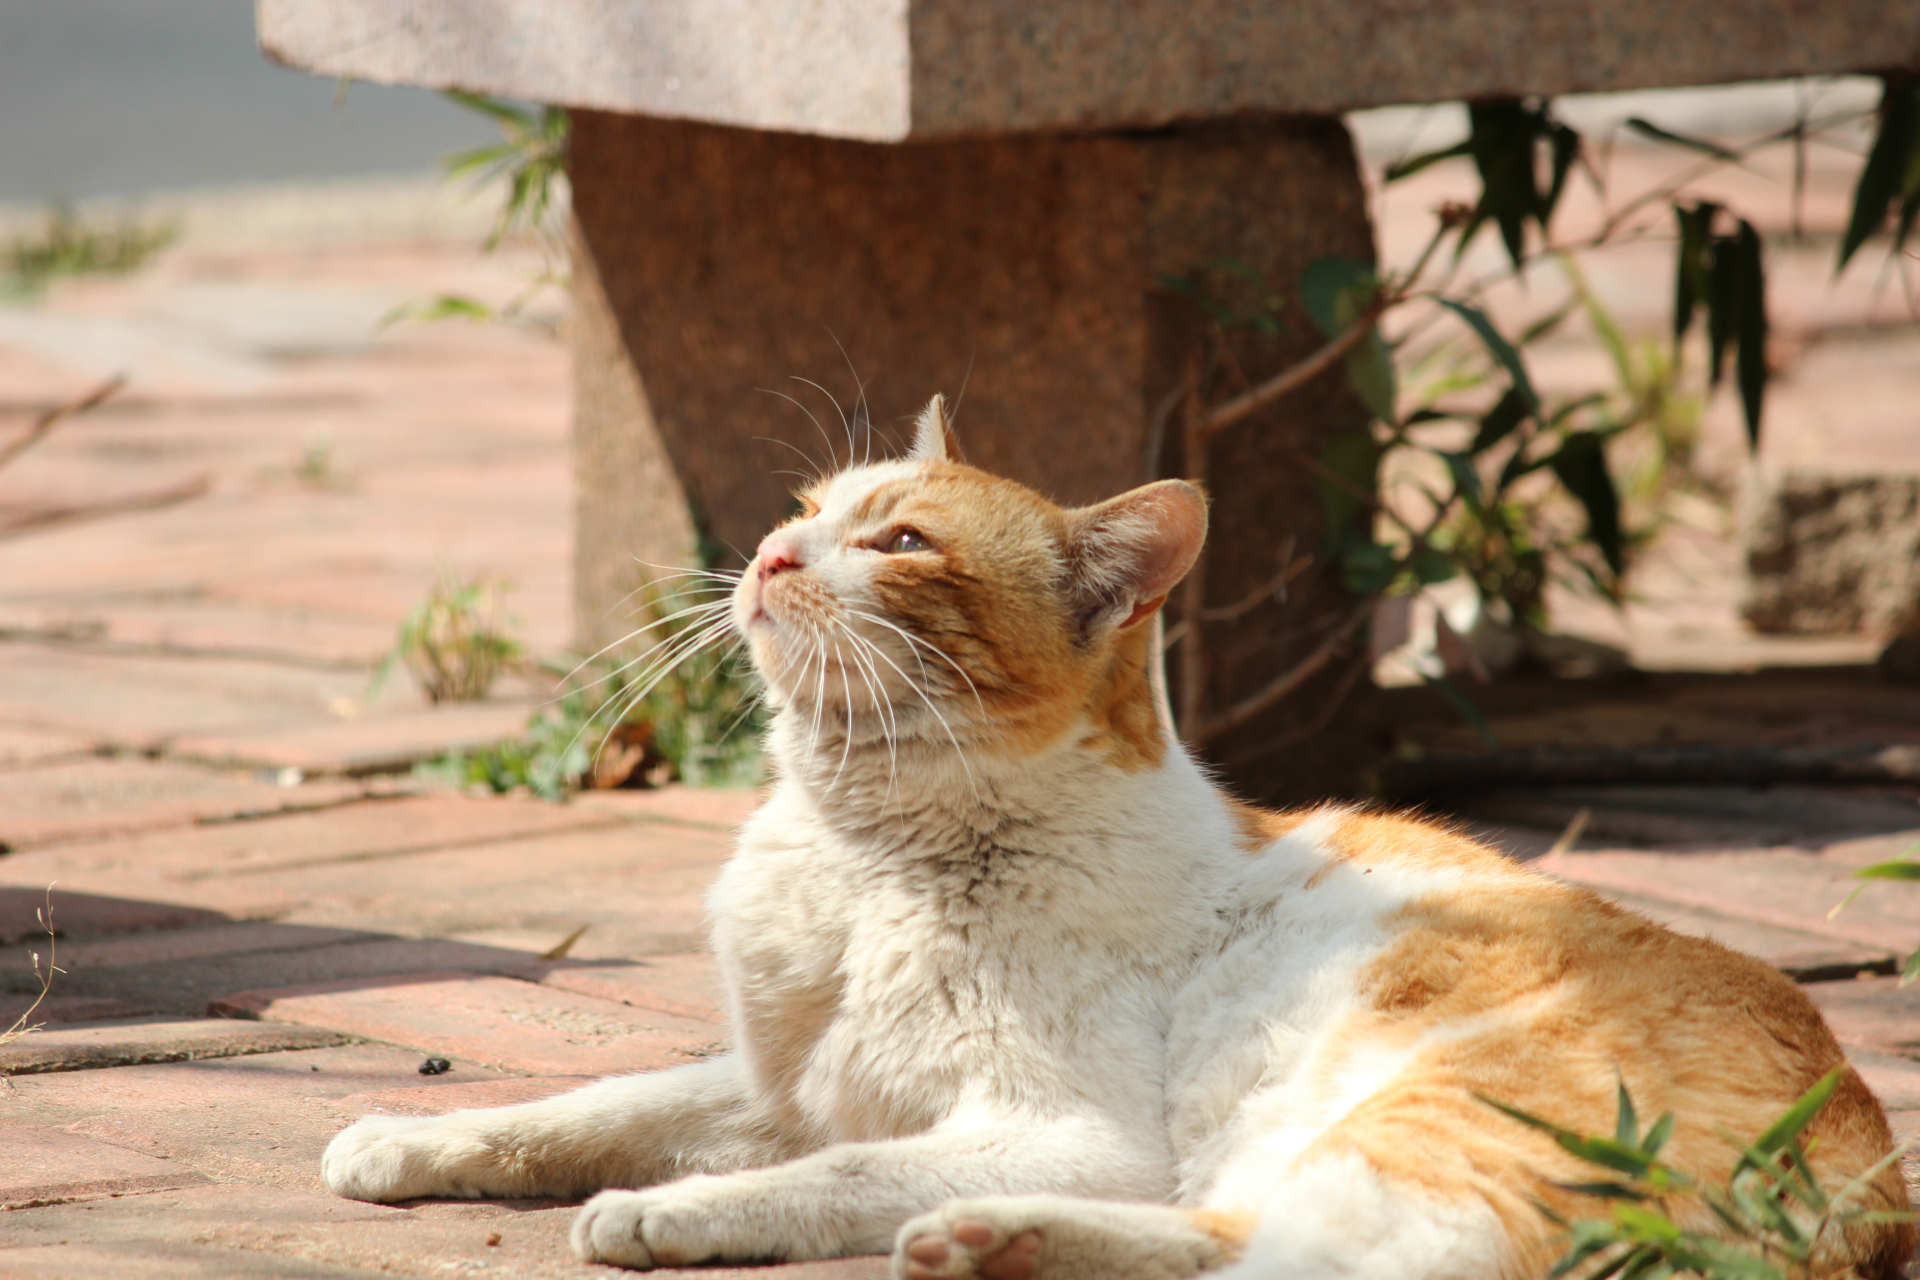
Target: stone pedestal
1020, 276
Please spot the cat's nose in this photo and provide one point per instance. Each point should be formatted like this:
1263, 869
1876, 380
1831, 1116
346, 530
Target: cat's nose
778, 553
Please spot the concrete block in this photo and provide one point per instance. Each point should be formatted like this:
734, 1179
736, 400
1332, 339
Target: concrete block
514, 1026
46, 1166
892, 69
121, 1042
1833, 553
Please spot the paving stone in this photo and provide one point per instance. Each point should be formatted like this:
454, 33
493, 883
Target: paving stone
1785, 888
1872, 1013
1808, 957
184, 987
262, 1119
698, 806
23, 746
157, 1261
63, 1009
392, 740
23, 914
512, 1025
126, 1041
171, 944
1894, 1080
687, 985
45, 1166
94, 798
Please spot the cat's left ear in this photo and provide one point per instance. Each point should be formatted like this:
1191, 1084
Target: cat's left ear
1129, 552
933, 438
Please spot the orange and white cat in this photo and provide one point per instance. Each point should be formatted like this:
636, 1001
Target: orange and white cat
1017, 991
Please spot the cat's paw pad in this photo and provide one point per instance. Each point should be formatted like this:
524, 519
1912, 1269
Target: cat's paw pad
953, 1244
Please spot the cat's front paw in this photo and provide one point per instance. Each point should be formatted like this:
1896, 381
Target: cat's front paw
698, 1219
387, 1158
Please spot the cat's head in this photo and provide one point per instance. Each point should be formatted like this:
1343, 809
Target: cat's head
922, 594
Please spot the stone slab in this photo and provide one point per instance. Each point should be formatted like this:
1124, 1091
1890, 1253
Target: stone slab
46, 1166
262, 1119
1786, 888
686, 986
886, 70
95, 798
15, 1008
511, 1025
122, 1042
1808, 957
24, 746
385, 742
1872, 1013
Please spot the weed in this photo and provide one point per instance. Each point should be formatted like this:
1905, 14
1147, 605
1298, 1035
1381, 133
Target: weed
21, 1025
1777, 1217
454, 642
68, 246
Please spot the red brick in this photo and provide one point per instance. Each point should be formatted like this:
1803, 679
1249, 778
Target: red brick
42, 1166
22, 746
713, 807
23, 915
64, 1009
438, 1099
386, 740
170, 943
1780, 887
687, 986
156, 1261
92, 798
124, 1042
1805, 955
516, 1026
1895, 1081
1872, 1013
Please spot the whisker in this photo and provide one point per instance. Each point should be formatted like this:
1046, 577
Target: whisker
955, 738
834, 401
827, 439
934, 649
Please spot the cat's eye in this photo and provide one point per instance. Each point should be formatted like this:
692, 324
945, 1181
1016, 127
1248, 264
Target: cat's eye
905, 540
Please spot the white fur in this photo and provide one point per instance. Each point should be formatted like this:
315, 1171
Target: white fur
955, 976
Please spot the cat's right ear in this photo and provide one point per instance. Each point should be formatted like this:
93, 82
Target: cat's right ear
1129, 552
933, 438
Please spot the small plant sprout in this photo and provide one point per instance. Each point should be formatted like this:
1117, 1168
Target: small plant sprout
24, 1025
455, 642
1901, 868
1775, 1213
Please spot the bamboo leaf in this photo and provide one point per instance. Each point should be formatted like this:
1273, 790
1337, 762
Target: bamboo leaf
1883, 176
1911, 972
1581, 465
1564, 146
1499, 348
1690, 268
1750, 326
1648, 129
1794, 1119
1723, 302
1501, 421
1414, 164
1657, 1136
1458, 699
1899, 869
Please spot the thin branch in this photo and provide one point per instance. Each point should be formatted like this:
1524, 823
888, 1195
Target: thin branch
1286, 682
47, 518
1288, 381
53, 417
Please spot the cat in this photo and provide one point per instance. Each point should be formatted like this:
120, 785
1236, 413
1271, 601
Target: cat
1017, 991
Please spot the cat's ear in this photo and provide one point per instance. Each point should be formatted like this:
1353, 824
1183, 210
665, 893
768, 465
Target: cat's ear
1129, 552
933, 438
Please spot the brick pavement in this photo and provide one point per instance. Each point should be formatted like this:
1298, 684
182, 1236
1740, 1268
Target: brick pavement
187, 750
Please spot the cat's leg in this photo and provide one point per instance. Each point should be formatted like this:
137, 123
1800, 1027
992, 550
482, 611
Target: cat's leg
626, 1131
852, 1198
1019, 1237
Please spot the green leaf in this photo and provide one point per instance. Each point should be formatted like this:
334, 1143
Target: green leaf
1460, 702
1794, 1119
1648, 129
1750, 326
1325, 280
1503, 140
1369, 567
1690, 264
1724, 290
1431, 566
1336, 292
1887, 173
1898, 869
1581, 465
1354, 457
1414, 164
1626, 1129
1506, 415
1657, 1136
1563, 144
1911, 972
1603, 1190
1499, 348
1466, 479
